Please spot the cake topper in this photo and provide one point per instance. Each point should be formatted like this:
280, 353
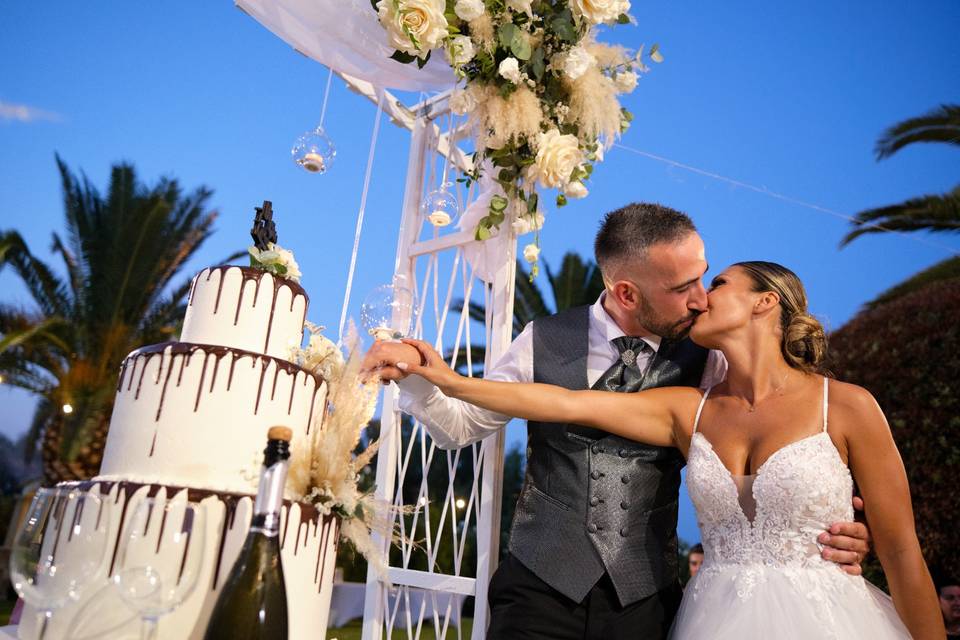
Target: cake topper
264, 230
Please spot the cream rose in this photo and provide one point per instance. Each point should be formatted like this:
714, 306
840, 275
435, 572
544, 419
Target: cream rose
576, 62
531, 252
557, 156
510, 70
460, 51
468, 9
527, 223
625, 81
413, 26
599, 11
277, 260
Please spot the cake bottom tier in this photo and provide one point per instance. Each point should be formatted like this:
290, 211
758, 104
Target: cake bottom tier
308, 540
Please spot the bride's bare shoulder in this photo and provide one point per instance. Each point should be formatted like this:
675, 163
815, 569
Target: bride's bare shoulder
854, 409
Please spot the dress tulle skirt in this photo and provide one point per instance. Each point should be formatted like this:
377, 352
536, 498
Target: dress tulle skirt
746, 602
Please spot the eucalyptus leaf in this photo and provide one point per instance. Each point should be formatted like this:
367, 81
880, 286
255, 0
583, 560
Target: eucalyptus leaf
498, 203
507, 34
537, 65
483, 232
520, 48
561, 200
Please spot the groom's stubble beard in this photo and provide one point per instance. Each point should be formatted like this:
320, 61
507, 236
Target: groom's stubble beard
668, 329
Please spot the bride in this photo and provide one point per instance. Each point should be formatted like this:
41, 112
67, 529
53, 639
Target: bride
772, 454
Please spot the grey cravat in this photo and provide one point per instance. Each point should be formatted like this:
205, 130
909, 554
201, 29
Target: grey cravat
623, 375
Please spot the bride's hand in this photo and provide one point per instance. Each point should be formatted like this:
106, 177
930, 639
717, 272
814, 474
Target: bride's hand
431, 366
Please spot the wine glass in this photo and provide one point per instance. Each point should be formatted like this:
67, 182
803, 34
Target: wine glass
160, 558
59, 550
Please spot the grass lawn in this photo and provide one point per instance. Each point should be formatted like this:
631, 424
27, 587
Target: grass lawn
352, 631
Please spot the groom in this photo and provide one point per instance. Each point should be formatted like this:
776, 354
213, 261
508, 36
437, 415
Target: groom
593, 545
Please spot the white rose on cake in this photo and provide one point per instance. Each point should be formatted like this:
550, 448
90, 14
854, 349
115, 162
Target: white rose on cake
460, 51
576, 62
509, 69
276, 260
599, 11
468, 9
557, 156
413, 26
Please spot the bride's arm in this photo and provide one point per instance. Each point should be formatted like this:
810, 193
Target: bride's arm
655, 416
878, 469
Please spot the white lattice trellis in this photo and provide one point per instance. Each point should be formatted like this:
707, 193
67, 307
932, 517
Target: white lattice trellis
431, 579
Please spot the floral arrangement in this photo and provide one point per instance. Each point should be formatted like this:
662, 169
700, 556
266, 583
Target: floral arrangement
276, 260
326, 472
540, 92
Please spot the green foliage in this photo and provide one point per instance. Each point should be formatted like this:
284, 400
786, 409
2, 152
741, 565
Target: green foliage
906, 352
934, 212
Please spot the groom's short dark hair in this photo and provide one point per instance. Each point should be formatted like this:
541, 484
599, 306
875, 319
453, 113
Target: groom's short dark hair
628, 232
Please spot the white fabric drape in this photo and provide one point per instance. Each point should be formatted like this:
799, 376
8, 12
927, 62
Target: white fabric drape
345, 35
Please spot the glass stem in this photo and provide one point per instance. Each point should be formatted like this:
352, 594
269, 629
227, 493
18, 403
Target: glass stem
43, 619
148, 628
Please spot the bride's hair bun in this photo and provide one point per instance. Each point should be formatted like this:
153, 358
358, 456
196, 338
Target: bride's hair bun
804, 342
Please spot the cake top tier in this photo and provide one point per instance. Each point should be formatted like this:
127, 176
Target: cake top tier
246, 308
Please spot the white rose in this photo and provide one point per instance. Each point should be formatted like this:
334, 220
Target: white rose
576, 62
575, 190
625, 81
510, 69
413, 26
462, 102
521, 6
460, 51
557, 156
531, 252
599, 11
527, 223
468, 9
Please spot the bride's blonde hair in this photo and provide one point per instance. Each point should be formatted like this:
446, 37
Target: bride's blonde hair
804, 342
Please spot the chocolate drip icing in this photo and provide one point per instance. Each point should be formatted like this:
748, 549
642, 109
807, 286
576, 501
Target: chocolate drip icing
126, 490
255, 275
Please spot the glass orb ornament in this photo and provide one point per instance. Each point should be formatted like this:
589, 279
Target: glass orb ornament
314, 151
440, 207
389, 311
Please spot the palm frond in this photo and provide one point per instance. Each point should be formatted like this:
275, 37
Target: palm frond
931, 213
939, 125
45, 330
45, 288
42, 416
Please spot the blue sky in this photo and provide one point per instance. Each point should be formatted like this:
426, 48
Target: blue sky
788, 98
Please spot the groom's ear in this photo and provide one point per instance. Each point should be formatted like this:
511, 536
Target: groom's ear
625, 293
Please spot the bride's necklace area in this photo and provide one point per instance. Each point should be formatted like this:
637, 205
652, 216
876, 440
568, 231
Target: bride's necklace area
777, 392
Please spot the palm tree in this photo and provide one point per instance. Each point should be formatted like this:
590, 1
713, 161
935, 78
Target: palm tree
937, 212
578, 283
120, 254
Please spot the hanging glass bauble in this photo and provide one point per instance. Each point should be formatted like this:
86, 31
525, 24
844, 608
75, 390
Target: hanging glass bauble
389, 311
440, 207
314, 151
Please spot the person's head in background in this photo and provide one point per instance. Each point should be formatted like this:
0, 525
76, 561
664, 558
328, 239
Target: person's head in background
949, 591
695, 558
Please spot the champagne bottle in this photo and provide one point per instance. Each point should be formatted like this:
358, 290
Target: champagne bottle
253, 602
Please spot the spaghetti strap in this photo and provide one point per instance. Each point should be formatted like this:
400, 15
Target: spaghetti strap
696, 420
826, 386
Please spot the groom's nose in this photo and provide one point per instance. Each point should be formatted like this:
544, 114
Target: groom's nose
698, 298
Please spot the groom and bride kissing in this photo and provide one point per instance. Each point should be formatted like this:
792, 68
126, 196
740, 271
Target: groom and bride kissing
657, 373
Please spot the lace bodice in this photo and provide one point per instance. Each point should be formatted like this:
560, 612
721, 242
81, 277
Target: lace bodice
796, 494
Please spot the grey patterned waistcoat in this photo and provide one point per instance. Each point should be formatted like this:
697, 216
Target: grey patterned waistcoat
609, 505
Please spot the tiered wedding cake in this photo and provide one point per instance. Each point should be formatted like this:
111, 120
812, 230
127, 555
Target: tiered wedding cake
192, 416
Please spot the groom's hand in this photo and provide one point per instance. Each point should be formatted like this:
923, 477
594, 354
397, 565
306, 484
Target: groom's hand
382, 357
847, 543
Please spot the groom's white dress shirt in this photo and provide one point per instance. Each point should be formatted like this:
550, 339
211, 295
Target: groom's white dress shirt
454, 423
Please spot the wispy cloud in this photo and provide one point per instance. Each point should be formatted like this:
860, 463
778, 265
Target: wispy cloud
10, 112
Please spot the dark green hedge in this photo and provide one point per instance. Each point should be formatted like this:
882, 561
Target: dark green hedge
907, 353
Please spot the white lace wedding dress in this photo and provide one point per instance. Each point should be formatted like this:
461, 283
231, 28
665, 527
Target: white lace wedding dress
762, 575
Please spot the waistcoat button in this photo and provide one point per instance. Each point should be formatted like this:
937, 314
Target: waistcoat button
625, 479
594, 501
622, 453
623, 532
592, 528
595, 475
596, 448
624, 505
